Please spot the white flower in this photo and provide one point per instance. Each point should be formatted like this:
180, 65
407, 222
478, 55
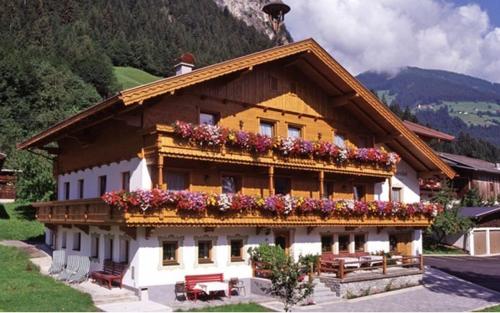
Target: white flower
288, 204
225, 201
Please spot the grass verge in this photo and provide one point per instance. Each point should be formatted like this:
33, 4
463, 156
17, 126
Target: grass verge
17, 222
23, 288
440, 249
495, 308
241, 307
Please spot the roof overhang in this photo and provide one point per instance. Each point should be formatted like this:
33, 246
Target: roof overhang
366, 104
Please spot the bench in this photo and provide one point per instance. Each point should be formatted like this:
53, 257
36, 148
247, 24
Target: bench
329, 262
112, 272
192, 280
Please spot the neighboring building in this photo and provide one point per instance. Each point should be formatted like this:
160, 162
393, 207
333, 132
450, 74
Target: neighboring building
7, 182
296, 91
484, 238
427, 134
474, 173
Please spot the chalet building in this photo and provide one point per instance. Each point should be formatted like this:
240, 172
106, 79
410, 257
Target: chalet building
7, 182
282, 146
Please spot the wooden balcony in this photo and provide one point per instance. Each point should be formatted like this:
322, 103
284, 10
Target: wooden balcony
96, 212
169, 145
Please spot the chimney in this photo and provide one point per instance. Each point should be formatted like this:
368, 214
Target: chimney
185, 65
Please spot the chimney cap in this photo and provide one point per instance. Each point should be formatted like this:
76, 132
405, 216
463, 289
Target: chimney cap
187, 58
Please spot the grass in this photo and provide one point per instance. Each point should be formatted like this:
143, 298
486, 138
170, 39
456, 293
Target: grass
129, 77
17, 221
440, 249
469, 111
241, 307
23, 288
495, 308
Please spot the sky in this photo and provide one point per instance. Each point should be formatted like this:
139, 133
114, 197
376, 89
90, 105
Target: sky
386, 35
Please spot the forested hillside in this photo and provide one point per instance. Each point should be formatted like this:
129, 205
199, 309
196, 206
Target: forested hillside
57, 57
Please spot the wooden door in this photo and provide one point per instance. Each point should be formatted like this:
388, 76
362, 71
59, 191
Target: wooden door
479, 242
401, 243
494, 241
282, 239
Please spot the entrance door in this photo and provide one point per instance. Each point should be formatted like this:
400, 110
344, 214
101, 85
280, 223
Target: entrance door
282, 239
400, 243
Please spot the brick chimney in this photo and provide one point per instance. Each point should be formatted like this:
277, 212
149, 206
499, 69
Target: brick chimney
185, 65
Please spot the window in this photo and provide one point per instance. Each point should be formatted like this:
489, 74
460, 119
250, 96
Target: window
326, 243
282, 185
328, 189
358, 192
231, 184
359, 242
339, 140
80, 188
108, 248
126, 181
77, 241
236, 250
267, 128
124, 250
393, 243
205, 251
169, 256
94, 246
102, 185
396, 194
294, 131
64, 239
66, 191
176, 180
344, 243
208, 118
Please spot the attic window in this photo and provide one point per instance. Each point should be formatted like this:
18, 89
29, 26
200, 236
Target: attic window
273, 82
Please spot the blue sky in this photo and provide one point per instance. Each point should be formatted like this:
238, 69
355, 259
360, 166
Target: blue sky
386, 35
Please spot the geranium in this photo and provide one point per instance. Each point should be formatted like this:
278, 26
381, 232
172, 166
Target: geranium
307, 205
274, 204
191, 201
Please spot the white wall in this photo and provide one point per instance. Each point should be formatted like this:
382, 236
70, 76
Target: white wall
406, 178
139, 178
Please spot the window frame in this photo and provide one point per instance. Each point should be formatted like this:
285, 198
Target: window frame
282, 177
238, 182
399, 191
300, 128
216, 115
126, 180
67, 190
109, 243
94, 244
64, 239
348, 242
364, 241
210, 259
81, 188
341, 135
363, 188
331, 238
269, 122
241, 258
183, 172
102, 184
326, 194
175, 261
77, 244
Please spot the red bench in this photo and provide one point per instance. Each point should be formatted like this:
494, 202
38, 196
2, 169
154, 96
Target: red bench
192, 280
112, 272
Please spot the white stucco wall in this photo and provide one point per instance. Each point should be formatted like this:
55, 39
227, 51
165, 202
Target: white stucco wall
139, 178
406, 178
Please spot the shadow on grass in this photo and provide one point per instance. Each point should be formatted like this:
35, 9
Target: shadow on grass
3, 213
36, 239
26, 211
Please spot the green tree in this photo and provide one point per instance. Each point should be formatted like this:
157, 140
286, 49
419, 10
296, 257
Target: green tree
471, 198
288, 283
449, 222
35, 180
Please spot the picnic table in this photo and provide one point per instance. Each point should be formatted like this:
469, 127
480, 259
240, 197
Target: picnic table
350, 262
212, 286
371, 259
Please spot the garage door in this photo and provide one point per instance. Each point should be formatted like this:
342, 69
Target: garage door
494, 241
479, 242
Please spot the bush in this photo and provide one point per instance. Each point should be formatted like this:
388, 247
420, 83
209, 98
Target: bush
267, 253
307, 260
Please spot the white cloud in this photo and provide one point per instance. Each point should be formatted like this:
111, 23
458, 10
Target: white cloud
385, 35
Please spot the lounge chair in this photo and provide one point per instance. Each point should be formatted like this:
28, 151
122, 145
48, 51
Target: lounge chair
83, 271
71, 268
58, 261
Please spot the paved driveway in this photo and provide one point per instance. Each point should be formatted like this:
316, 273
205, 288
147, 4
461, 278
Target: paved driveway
484, 271
441, 292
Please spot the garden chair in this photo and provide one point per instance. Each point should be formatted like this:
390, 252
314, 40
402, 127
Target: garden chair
237, 285
58, 261
83, 271
71, 268
180, 290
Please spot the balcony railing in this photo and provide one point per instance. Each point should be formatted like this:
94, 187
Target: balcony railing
171, 144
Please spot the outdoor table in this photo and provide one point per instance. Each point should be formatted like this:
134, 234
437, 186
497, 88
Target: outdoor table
372, 259
213, 286
348, 260
398, 259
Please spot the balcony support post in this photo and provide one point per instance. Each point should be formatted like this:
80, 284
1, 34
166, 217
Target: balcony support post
159, 172
321, 184
271, 180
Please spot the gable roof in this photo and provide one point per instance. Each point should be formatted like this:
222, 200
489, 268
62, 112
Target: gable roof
476, 212
465, 162
427, 132
366, 104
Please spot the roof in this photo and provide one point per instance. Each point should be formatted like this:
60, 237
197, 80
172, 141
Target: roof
461, 161
366, 104
476, 212
423, 131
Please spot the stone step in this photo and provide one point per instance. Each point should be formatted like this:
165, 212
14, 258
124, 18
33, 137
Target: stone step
115, 298
325, 298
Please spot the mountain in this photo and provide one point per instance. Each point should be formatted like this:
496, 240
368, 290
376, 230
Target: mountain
444, 100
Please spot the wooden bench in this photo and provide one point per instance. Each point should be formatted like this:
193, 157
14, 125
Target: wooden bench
192, 280
261, 269
112, 272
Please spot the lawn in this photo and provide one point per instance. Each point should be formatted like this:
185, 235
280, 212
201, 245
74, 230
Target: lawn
17, 221
129, 77
495, 308
440, 249
23, 288
242, 307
